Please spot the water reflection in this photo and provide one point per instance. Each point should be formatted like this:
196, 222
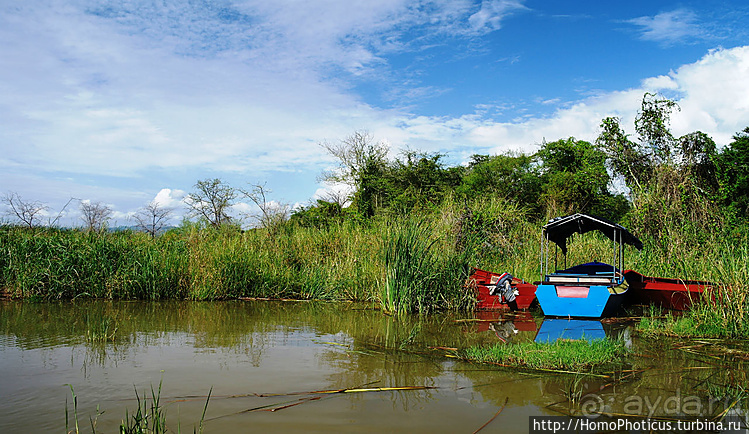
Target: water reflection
554, 329
247, 349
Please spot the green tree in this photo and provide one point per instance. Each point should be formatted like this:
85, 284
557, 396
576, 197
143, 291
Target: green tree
672, 181
511, 176
733, 176
652, 125
362, 164
697, 154
575, 179
419, 179
625, 158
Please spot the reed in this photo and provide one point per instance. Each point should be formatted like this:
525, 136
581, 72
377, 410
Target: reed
406, 264
148, 417
723, 312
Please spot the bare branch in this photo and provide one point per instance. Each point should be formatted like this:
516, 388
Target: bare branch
354, 154
152, 218
56, 219
272, 214
339, 197
95, 215
212, 201
27, 212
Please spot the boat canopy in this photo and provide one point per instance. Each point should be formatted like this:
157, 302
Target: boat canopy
559, 229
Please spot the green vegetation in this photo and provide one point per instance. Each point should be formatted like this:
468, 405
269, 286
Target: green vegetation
562, 355
413, 226
149, 417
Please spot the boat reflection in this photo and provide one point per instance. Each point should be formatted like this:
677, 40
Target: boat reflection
554, 329
507, 326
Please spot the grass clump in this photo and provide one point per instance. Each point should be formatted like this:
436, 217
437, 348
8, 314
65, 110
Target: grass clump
420, 272
561, 355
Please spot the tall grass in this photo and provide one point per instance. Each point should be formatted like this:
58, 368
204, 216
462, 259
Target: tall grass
420, 273
416, 263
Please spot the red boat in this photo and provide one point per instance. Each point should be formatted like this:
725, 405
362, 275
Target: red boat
484, 283
674, 294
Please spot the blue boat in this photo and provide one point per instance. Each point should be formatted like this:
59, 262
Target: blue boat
589, 290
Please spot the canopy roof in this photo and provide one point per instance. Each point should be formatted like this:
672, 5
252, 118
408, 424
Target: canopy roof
559, 229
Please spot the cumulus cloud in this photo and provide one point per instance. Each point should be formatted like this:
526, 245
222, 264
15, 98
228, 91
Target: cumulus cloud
713, 94
170, 198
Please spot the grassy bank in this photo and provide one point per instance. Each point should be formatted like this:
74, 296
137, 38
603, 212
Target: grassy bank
190, 263
562, 355
405, 264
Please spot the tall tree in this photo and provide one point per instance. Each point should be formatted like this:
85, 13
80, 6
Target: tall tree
575, 179
625, 158
211, 201
697, 153
511, 176
652, 125
733, 175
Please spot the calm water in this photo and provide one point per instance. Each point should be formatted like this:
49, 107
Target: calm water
242, 350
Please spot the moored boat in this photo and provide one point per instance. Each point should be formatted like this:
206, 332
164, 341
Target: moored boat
490, 286
589, 290
677, 294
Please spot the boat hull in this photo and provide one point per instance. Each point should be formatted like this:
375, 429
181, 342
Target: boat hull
590, 290
578, 301
482, 279
676, 294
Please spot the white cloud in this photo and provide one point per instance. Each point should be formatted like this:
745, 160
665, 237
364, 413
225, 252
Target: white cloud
669, 27
713, 94
169, 198
111, 100
662, 82
489, 17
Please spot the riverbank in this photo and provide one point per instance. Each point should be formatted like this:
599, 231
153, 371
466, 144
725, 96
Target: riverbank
402, 264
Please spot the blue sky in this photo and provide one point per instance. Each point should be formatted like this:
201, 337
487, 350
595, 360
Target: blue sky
125, 102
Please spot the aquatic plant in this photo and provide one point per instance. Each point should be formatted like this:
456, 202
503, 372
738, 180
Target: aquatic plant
149, 416
422, 273
561, 355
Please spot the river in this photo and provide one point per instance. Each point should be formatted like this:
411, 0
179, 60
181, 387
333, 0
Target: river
258, 356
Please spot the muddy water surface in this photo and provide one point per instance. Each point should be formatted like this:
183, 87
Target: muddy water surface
260, 356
